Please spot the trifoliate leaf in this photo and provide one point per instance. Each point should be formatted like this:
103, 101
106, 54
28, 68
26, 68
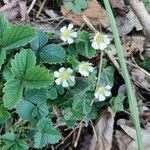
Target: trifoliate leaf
46, 134
33, 105
17, 36
4, 24
37, 77
12, 143
53, 54
107, 76
12, 93
4, 114
117, 103
40, 40
22, 62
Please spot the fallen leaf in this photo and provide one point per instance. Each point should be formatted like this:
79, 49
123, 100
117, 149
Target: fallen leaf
127, 23
140, 77
15, 9
104, 130
94, 12
130, 131
133, 45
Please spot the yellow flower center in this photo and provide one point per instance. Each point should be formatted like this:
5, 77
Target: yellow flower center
99, 38
64, 75
101, 90
84, 67
66, 34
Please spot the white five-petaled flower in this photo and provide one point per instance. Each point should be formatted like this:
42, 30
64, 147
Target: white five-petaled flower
100, 41
64, 76
85, 68
103, 92
67, 33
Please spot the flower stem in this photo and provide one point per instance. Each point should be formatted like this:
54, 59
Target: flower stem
131, 96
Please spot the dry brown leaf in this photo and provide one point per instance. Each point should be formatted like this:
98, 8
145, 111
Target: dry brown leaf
140, 77
130, 131
95, 13
14, 9
104, 130
123, 140
133, 44
127, 23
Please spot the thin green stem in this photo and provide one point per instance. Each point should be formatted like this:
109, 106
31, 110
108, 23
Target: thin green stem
131, 96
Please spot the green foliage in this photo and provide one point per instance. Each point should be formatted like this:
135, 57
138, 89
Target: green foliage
46, 133
53, 54
4, 24
145, 63
12, 143
17, 36
4, 114
84, 45
117, 103
76, 5
2, 57
13, 93
22, 62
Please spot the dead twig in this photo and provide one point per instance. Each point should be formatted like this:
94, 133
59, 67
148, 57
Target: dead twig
142, 14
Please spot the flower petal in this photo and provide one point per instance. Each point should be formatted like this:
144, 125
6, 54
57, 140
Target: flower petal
101, 98
108, 87
62, 69
70, 26
91, 69
107, 93
65, 83
95, 45
102, 46
107, 41
70, 41
69, 70
56, 74
72, 78
74, 34
58, 81
96, 95
63, 39
63, 29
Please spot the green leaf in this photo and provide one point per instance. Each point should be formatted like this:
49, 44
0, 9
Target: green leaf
12, 143
83, 36
117, 103
37, 77
40, 41
4, 24
52, 93
4, 114
69, 5
12, 93
16, 36
107, 76
46, 134
22, 62
33, 105
145, 64
2, 57
81, 3
53, 54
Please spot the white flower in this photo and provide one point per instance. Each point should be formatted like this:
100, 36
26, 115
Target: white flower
100, 41
85, 68
64, 76
103, 92
67, 33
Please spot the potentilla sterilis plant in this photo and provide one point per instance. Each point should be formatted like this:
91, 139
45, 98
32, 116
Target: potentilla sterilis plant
103, 92
64, 77
85, 68
68, 34
100, 41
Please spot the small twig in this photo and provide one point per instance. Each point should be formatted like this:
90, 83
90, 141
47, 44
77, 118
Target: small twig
31, 6
78, 136
94, 130
41, 7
